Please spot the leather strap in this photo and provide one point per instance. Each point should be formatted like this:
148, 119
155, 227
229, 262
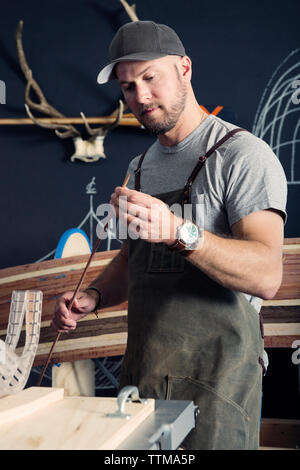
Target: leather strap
202, 160
177, 246
197, 168
137, 173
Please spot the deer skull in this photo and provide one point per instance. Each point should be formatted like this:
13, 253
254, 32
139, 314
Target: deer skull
92, 149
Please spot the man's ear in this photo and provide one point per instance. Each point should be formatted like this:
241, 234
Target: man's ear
186, 66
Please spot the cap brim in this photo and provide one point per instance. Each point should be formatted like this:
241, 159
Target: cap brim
105, 74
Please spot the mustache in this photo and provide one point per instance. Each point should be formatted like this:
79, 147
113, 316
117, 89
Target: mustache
146, 107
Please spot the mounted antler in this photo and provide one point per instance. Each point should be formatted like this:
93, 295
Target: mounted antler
93, 149
103, 130
130, 10
90, 150
43, 106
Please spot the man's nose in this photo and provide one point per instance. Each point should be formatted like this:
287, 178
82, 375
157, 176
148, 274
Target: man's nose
142, 94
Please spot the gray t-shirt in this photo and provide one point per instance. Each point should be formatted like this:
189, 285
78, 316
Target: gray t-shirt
242, 176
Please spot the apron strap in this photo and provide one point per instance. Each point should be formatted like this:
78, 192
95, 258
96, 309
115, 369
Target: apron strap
201, 161
192, 177
137, 173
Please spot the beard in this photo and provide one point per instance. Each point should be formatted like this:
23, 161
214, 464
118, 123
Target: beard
170, 117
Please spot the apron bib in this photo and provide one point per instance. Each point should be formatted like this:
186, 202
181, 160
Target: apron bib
189, 338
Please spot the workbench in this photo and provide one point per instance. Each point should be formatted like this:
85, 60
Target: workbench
40, 418
107, 335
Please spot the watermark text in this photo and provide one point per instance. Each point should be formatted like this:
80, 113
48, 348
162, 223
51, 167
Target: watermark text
296, 94
2, 352
155, 223
296, 354
2, 92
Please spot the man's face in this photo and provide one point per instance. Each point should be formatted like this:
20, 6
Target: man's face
155, 91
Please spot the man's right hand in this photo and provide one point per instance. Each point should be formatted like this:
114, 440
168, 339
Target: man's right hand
65, 320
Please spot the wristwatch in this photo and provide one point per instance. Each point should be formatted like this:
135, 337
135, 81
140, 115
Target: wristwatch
187, 237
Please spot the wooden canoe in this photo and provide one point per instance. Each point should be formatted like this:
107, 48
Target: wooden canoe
107, 336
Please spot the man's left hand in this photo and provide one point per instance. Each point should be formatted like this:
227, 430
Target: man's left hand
145, 216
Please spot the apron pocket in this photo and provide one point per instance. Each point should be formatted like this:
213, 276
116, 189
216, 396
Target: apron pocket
221, 424
163, 260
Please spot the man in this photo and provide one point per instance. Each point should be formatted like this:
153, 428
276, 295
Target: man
194, 289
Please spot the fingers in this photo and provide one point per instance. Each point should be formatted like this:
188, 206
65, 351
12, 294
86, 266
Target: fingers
62, 320
131, 197
65, 320
119, 198
146, 217
63, 325
128, 201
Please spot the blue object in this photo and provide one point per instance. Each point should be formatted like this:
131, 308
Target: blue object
64, 238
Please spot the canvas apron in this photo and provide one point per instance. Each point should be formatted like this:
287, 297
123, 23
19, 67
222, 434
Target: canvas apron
189, 338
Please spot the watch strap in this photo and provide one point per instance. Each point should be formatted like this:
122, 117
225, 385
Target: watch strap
99, 300
177, 246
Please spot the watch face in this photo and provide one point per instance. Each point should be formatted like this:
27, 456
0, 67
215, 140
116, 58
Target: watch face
189, 233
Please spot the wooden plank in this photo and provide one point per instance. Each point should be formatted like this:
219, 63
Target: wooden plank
280, 341
89, 317
101, 350
75, 423
83, 348
79, 343
35, 268
290, 286
49, 271
85, 329
282, 329
56, 276
280, 433
281, 335
128, 119
102, 337
275, 314
20, 405
77, 378
52, 278
282, 303
291, 241
275, 448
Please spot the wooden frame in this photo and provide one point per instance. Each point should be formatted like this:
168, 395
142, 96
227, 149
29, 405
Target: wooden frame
107, 336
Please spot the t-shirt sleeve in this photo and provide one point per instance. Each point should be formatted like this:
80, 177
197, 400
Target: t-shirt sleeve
254, 179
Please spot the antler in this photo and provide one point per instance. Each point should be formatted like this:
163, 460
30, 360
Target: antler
103, 130
86, 150
43, 106
130, 10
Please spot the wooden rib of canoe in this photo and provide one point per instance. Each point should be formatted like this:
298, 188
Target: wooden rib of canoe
107, 335
103, 337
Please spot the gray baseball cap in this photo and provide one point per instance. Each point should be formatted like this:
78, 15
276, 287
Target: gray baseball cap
140, 40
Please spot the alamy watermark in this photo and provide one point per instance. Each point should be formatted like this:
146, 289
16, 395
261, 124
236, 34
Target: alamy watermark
2, 92
160, 227
2, 352
296, 94
296, 354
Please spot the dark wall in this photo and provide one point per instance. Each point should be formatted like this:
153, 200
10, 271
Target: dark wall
245, 57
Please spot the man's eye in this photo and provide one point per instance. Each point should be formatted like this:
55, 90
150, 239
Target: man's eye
149, 78
127, 87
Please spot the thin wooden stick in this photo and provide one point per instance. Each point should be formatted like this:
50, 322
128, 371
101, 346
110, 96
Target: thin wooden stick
127, 120
79, 285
